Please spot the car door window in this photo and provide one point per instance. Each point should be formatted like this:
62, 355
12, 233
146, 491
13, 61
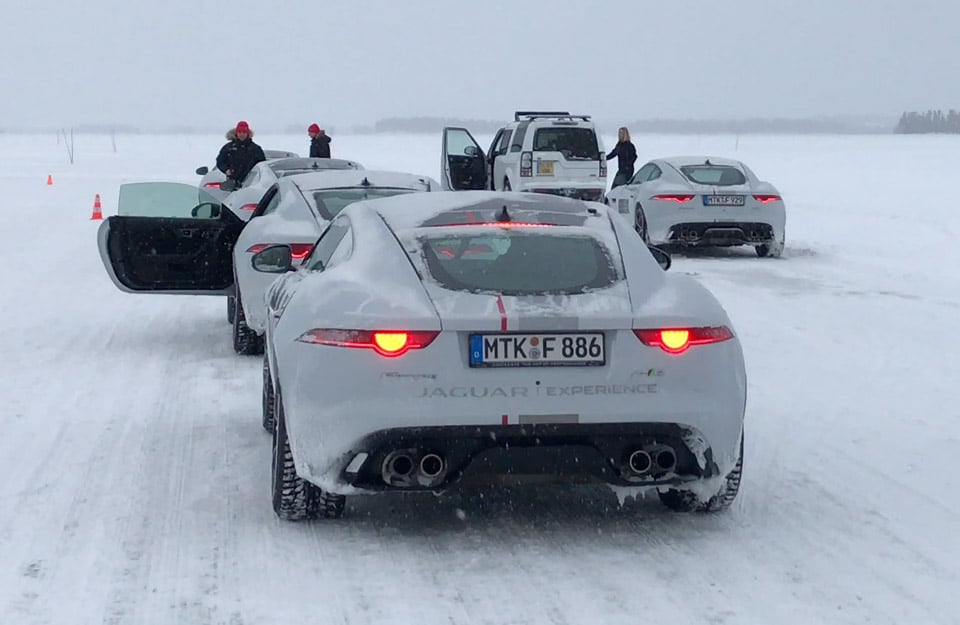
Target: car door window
272, 204
504, 144
460, 143
327, 245
343, 251
251, 178
641, 175
493, 144
654, 174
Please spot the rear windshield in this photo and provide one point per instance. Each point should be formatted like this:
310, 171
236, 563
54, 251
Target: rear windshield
573, 143
717, 175
518, 263
329, 202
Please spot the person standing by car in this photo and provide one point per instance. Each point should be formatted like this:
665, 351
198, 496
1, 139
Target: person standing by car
626, 155
241, 154
319, 142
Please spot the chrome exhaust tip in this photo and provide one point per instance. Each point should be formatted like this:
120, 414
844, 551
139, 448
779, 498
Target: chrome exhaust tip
640, 462
432, 465
398, 468
666, 459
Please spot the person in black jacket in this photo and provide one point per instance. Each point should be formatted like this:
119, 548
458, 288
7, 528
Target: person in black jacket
240, 154
626, 155
319, 142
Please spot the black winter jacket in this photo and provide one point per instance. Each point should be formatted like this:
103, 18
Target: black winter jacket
320, 146
239, 157
626, 156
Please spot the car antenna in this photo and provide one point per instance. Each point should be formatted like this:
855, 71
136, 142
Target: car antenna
316, 165
707, 162
504, 215
365, 183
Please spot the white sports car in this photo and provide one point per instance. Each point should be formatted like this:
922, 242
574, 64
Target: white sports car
703, 201
163, 241
434, 338
243, 200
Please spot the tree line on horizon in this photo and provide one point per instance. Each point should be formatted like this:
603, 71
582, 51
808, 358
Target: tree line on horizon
931, 121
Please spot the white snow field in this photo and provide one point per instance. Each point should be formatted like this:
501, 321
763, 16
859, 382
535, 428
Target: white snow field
134, 475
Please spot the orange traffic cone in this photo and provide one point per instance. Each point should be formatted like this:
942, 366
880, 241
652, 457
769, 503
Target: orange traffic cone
49, 180
97, 209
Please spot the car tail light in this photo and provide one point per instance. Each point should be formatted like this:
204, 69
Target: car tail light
212, 185
249, 207
526, 164
603, 167
298, 251
766, 199
679, 340
389, 343
673, 197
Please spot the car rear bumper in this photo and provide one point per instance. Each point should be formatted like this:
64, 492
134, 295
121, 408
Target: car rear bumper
720, 234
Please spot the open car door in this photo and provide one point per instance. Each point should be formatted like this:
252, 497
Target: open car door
164, 241
464, 165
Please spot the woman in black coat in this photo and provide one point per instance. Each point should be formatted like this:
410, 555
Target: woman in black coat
626, 156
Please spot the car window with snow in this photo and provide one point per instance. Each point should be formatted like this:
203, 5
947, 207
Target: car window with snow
573, 143
162, 199
718, 175
517, 263
329, 202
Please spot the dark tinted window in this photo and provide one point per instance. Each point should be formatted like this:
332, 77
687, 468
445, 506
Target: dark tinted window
578, 143
517, 144
518, 263
717, 175
328, 242
330, 202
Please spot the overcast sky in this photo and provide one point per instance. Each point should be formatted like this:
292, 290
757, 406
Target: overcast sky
274, 62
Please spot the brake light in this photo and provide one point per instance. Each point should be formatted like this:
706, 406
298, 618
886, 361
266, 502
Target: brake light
526, 164
679, 340
249, 207
386, 343
298, 251
673, 197
603, 168
212, 185
766, 199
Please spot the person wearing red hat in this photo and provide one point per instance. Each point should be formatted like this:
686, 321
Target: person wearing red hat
319, 142
240, 154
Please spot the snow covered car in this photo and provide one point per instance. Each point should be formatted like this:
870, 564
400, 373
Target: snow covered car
213, 177
436, 339
703, 201
294, 211
243, 200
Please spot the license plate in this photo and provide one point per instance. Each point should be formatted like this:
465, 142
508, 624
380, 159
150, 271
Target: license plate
537, 350
724, 200
545, 168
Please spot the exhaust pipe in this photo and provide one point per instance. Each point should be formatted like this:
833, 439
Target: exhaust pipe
666, 459
431, 465
640, 462
398, 468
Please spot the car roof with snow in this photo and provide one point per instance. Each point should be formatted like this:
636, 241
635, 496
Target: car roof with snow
406, 212
285, 164
685, 161
339, 178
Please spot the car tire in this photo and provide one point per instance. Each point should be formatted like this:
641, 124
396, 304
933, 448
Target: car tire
231, 308
640, 224
246, 342
294, 498
269, 406
687, 501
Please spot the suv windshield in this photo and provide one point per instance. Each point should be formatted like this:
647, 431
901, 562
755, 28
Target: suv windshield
329, 202
518, 263
717, 175
573, 143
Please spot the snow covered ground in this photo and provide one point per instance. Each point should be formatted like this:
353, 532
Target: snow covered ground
134, 471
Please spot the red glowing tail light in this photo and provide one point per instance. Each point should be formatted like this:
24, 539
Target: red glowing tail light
766, 198
389, 343
249, 207
673, 197
679, 340
212, 185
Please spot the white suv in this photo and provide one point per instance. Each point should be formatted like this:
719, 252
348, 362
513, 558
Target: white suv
540, 152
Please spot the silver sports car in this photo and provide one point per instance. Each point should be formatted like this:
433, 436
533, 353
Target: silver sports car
434, 338
703, 201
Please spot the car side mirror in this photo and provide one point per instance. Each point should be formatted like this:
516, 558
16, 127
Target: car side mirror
207, 210
228, 185
203, 171
662, 258
471, 150
273, 259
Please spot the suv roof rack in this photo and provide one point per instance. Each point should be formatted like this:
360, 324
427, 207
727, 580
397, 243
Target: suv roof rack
547, 114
